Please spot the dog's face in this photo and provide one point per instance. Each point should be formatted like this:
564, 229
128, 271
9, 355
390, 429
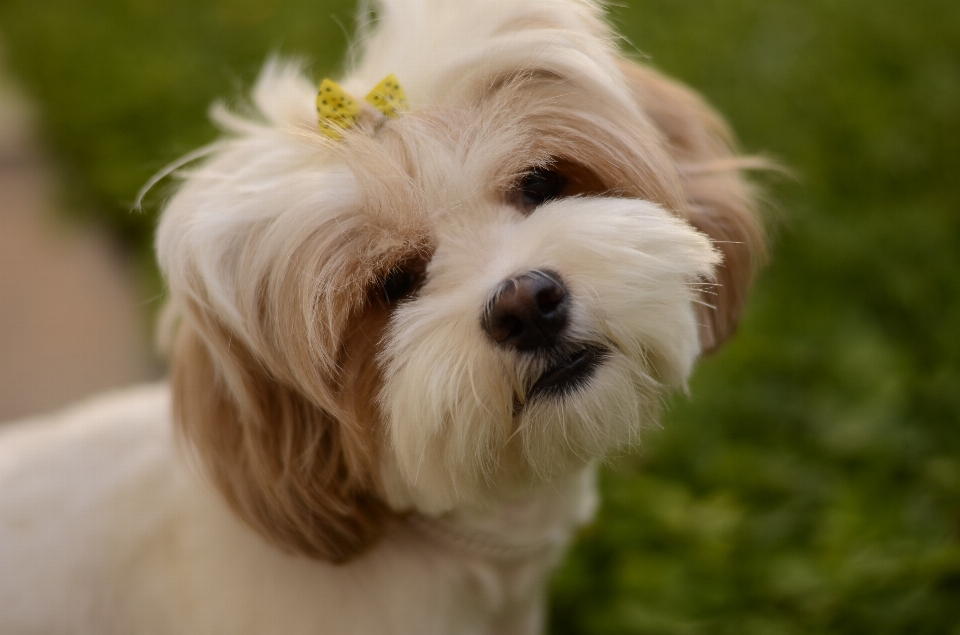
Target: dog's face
446, 308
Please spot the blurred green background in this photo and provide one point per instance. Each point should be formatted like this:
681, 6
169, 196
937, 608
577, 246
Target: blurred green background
811, 484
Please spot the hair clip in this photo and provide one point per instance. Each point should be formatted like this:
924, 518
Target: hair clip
337, 110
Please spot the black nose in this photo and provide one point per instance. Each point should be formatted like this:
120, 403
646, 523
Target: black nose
528, 311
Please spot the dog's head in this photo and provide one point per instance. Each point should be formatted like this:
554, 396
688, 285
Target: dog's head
442, 309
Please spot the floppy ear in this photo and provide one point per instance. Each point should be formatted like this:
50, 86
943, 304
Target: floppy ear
293, 469
720, 202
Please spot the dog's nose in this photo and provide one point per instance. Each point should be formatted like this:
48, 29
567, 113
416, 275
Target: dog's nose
528, 311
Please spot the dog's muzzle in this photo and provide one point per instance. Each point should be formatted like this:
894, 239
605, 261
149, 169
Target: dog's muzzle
530, 313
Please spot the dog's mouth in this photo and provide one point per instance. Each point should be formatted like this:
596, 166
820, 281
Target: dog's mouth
570, 373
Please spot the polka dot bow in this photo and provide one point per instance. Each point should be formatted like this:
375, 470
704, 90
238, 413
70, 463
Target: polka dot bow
338, 111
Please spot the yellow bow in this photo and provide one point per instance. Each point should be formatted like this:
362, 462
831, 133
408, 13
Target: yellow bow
337, 110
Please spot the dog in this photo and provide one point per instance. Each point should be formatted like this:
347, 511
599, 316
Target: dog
403, 332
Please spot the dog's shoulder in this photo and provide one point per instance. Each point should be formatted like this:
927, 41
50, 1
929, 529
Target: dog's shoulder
106, 527
85, 447
80, 491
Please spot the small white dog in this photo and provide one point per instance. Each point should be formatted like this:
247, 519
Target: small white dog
401, 341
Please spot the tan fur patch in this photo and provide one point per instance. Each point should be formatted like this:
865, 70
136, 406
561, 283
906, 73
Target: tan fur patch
283, 416
720, 202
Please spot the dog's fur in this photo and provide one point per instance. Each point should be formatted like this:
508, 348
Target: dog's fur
367, 465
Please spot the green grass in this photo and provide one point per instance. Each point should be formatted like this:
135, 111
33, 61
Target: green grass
811, 484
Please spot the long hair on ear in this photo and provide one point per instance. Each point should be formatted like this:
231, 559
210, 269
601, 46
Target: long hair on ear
289, 468
273, 392
720, 201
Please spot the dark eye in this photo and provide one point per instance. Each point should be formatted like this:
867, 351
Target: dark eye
398, 284
539, 186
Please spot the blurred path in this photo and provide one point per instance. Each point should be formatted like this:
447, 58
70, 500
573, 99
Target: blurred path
70, 321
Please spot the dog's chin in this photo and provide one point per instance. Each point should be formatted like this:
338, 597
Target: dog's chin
580, 401
568, 372
586, 401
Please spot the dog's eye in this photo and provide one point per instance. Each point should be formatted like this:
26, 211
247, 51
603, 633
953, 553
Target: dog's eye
539, 186
398, 284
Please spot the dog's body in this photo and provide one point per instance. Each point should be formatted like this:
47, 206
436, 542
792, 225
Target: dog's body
107, 531
398, 352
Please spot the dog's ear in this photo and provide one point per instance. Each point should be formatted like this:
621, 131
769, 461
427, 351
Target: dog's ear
720, 202
293, 469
